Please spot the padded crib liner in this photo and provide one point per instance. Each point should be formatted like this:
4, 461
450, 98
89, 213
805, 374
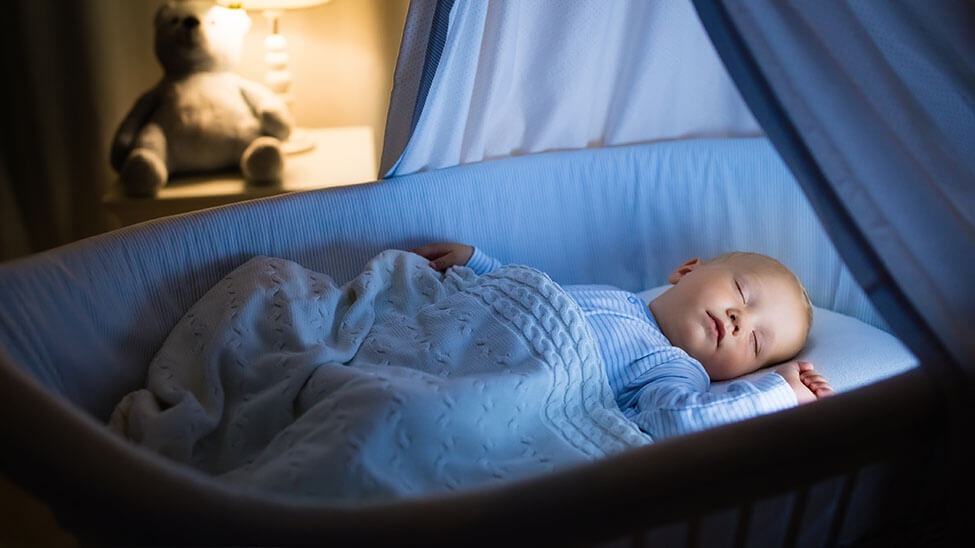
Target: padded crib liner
85, 319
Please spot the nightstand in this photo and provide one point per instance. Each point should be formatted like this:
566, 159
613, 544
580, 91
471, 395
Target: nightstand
342, 156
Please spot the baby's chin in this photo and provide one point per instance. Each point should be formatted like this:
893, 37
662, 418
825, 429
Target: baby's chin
701, 348
721, 371
703, 351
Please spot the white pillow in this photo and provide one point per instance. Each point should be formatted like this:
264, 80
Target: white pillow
848, 352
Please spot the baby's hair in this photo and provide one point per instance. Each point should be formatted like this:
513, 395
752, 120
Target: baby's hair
806, 302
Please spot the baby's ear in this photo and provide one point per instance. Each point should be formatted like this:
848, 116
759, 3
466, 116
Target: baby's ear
683, 270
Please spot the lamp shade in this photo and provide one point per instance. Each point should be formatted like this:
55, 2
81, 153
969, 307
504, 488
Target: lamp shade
258, 5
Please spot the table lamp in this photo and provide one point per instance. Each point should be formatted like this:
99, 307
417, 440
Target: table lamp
277, 77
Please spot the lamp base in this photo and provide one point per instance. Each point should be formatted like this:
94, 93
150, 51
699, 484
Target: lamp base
299, 141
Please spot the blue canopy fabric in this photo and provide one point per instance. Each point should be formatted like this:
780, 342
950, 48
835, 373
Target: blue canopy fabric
871, 106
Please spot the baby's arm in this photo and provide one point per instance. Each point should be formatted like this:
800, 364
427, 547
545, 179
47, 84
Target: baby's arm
674, 398
444, 255
804, 381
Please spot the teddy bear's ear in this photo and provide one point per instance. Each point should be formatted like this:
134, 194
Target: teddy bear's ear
164, 14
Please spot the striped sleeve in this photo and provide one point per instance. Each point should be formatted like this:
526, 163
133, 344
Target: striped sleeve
481, 263
676, 399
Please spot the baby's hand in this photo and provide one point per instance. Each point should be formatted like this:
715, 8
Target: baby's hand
805, 382
444, 255
816, 383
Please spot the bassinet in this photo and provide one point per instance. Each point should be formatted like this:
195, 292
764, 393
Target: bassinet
79, 324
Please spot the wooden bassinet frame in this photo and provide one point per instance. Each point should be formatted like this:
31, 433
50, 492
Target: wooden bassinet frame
881, 460
896, 428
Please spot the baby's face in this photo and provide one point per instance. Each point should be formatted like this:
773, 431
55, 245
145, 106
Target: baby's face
734, 316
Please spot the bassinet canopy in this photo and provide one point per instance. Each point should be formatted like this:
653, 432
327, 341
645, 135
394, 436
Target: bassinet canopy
869, 103
517, 78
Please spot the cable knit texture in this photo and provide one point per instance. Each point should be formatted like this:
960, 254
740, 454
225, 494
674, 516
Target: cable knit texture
401, 382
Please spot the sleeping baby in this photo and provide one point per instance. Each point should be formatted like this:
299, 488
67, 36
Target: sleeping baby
721, 319
404, 381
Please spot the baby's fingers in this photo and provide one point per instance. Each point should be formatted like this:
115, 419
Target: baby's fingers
817, 384
814, 383
810, 376
444, 262
431, 251
822, 390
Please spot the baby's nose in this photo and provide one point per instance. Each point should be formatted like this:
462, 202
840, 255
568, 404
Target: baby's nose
736, 320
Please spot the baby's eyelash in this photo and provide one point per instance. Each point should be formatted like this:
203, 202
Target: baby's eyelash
740, 292
755, 338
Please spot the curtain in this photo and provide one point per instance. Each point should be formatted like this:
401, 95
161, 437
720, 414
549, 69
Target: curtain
14, 241
54, 170
67, 85
523, 77
872, 106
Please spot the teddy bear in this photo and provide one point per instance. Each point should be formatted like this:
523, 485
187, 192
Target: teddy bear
200, 116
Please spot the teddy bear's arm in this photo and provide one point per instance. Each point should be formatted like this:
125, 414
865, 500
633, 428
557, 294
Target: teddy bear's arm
268, 108
128, 130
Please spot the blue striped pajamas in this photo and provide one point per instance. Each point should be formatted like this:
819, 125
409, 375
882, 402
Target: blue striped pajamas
657, 385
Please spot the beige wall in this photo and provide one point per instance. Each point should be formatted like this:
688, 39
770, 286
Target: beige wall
343, 54
342, 57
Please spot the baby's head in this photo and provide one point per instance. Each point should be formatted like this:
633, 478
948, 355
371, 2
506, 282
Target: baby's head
735, 313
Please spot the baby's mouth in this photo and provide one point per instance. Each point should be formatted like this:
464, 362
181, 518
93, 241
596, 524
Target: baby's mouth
718, 328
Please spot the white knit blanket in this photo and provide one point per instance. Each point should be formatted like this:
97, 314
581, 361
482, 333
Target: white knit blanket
403, 381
